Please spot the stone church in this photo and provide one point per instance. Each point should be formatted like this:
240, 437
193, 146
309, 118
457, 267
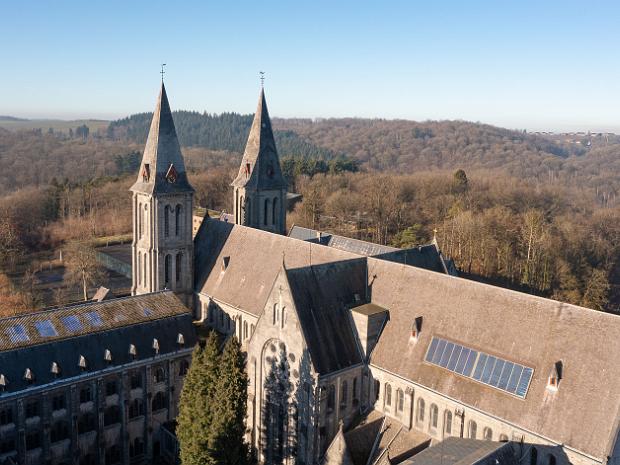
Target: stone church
358, 353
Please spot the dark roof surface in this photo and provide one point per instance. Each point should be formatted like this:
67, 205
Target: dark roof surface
261, 154
162, 149
462, 451
322, 295
134, 329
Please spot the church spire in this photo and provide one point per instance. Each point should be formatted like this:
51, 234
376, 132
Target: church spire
162, 168
260, 167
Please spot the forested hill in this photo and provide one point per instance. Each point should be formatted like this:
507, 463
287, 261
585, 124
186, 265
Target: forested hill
225, 132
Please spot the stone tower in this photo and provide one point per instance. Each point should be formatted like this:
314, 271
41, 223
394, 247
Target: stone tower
162, 247
259, 188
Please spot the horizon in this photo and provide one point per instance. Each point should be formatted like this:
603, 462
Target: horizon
527, 66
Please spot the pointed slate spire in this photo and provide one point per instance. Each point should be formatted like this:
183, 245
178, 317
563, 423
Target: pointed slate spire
260, 167
162, 168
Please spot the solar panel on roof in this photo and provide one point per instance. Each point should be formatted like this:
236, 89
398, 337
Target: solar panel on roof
17, 333
93, 319
488, 369
45, 328
72, 323
147, 312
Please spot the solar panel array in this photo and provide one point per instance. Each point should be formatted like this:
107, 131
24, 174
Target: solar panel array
482, 367
46, 328
17, 333
93, 319
72, 323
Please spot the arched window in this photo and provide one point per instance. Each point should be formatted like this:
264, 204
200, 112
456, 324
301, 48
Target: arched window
503, 438
473, 429
167, 266
266, 215
251, 330
343, 394
274, 211
166, 221
434, 416
178, 267
487, 433
400, 400
136, 408
275, 313
551, 459
139, 268
139, 220
159, 375
183, 367
533, 456
177, 220
159, 401
146, 279
421, 406
447, 422
282, 317
331, 398
245, 330
248, 213
111, 415
388, 395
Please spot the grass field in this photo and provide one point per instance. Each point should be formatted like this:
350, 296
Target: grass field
57, 125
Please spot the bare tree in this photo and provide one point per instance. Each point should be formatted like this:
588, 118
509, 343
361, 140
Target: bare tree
82, 266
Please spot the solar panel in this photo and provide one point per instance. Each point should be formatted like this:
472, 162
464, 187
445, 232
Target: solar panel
72, 323
147, 312
488, 369
17, 333
46, 328
93, 319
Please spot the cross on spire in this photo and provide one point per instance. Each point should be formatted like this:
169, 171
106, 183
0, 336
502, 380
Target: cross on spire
162, 72
262, 79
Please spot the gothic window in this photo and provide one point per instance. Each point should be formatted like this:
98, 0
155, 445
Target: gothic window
533, 456
111, 415
178, 267
275, 313
447, 421
551, 459
136, 380
159, 376
183, 367
59, 431
136, 447
166, 221
274, 210
434, 416
167, 265
487, 433
400, 400
388, 395
32, 409
6, 416
139, 268
177, 220
421, 410
86, 394
473, 429
251, 330
266, 215
86, 423
136, 408
139, 220
503, 438
111, 388
159, 401
331, 398
282, 317
343, 394
146, 279
245, 330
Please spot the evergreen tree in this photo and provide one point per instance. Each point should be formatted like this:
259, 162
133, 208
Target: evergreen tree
228, 427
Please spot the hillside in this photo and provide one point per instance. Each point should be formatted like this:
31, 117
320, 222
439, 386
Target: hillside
56, 125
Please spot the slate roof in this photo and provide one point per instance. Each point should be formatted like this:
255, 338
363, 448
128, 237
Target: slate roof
424, 256
537, 332
162, 150
462, 451
124, 323
261, 154
322, 296
255, 261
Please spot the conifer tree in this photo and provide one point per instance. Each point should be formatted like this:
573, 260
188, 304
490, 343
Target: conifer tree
228, 427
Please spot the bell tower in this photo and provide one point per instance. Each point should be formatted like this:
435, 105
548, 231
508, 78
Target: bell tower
260, 189
162, 246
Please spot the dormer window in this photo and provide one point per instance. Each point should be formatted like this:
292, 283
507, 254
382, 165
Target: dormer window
133, 351
146, 172
107, 355
416, 329
553, 382
82, 362
180, 339
55, 369
225, 262
3, 382
28, 375
156, 346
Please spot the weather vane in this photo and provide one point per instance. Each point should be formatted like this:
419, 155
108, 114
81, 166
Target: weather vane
162, 72
262, 79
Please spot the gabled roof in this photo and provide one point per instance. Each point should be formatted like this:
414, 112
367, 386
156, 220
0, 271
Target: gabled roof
260, 167
462, 451
322, 296
161, 152
536, 332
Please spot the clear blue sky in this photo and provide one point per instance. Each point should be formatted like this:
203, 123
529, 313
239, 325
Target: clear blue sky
518, 64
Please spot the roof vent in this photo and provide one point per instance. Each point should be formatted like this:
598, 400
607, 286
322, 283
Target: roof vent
132, 350
28, 375
156, 346
416, 329
82, 362
55, 368
107, 355
225, 262
553, 382
3, 382
180, 339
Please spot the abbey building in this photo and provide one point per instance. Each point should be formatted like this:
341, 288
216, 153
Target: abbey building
357, 354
